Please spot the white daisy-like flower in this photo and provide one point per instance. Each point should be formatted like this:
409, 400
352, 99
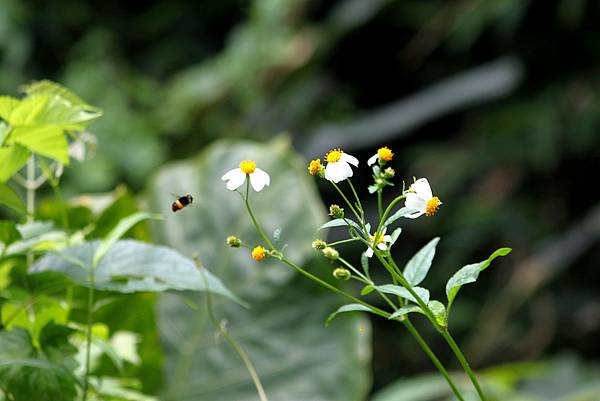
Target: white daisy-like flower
384, 154
383, 243
338, 165
235, 178
420, 198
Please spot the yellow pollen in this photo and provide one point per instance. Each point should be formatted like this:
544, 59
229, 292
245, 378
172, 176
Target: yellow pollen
259, 253
432, 206
314, 167
334, 155
385, 154
248, 166
379, 240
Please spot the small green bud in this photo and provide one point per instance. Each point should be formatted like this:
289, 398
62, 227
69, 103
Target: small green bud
319, 244
331, 253
336, 211
378, 182
389, 173
234, 241
342, 274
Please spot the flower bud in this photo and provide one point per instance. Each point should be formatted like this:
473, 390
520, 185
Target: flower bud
331, 253
234, 241
342, 274
259, 253
336, 211
389, 173
316, 168
319, 244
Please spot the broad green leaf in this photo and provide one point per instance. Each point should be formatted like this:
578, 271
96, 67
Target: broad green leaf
7, 105
131, 266
8, 232
347, 308
40, 374
427, 387
38, 236
283, 332
469, 273
439, 312
400, 213
405, 310
28, 110
12, 159
46, 140
418, 266
400, 291
9, 198
119, 230
340, 223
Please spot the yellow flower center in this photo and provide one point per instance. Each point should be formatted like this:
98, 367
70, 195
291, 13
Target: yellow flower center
432, 206
334, 155
248, 166
259, 253
385, 154
378, 240
314, 167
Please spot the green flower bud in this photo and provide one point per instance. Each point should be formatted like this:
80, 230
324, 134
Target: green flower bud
342, 274
389, 173
234, 241
331, 253
319, 244
336, 211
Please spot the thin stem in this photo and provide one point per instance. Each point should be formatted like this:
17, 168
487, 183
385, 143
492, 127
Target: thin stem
380, 203
358, 216
236, 347
388, 210
358, 204
355, 270
258, 227
88, 348
463, 362
343, 241
425, 347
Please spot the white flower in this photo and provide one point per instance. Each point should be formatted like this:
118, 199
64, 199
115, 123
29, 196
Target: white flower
384, 154
383, 243
420, 198
236, 177
338, 165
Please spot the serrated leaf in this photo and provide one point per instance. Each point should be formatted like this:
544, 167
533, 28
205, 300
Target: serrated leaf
12, 159
132, 266
418, 266
340, 223
469, 274
9, 198
400, 213
405, 310
400, 291
46, 140
347, 308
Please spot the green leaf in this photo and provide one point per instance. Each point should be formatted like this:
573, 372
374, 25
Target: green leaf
119, 230
12, 159
41, 374
37, 236
423, 293
469, 274
9, 198
418, 266
8, 232
400, 213
439, 312
340, 223
28, 110
347, 308
46, 140
427, 387
367, 289
7, 105
269, 332
131, 266
405, 310
364, 262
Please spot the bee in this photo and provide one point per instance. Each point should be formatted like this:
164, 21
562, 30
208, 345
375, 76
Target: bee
182, 202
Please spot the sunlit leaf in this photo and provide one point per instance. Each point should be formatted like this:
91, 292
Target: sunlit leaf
46, 140
12, 159
9, 198
418, 266
400, 291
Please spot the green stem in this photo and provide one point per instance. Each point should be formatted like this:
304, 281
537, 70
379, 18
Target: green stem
236, 347
388, 210
358, 216
429, 352
88, 345
380, 204
258, 227
343, 241
463, 362
358, 204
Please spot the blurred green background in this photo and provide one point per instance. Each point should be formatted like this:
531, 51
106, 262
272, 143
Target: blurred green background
495, 101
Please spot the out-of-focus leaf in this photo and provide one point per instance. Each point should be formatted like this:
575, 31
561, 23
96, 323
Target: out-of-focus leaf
421, 388
9, 198
468, 274
283, 332
12, 159
418, 266
41, 374
347, 308
37, 236
7, 105
8, 233
131, 266
46, 140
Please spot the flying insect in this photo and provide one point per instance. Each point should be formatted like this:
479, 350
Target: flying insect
182, 202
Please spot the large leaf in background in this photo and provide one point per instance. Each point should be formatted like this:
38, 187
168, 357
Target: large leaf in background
9, 198
296, 356
131, 266
12, 159
40, 374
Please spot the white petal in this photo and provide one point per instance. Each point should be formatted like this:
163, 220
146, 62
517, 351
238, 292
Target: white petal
350, 159
236, 179
422, 188
230, 174
382, 246
372, 159
258, 179
415, 214
387, 238
414, 201
369, 252
337, 171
